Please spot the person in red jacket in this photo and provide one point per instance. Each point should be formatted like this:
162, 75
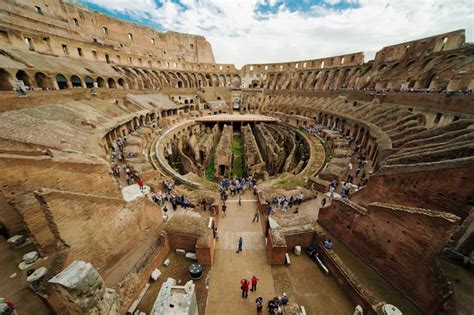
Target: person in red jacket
254, 281
141, 183
244, 286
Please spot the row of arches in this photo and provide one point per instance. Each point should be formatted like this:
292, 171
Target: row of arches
144, 78
130, 79
58, 81
434, 72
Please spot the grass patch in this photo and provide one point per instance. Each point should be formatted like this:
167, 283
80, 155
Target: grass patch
290, 182
237, 169
210, 170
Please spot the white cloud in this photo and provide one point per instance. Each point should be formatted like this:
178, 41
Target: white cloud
239, 35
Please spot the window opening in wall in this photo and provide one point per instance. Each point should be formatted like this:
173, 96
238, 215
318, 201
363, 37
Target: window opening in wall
65, 50
140, 60
322, 64
152, 40
445, 40
164, 52
456, 118
130, 36
251, 68
281, 67
266, 67
107, 58
95, 40
191, 46
353, 58
79, 51
304, 65
437, 118
220, 67
105, 30
130, 60
94, 54
149, 63
410, 110
38, 9
167, 65
175, 65
118, 58
29, 43
342, 60
75, 22
296, 66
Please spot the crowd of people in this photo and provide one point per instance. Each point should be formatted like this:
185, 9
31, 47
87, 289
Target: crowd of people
284, 203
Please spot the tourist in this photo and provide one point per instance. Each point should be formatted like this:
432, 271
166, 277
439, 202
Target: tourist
327, 244
244, 286
141, 184
296, 210
259, 304
323, 202
165, 210
240, 199
239, 248
255, 217
224, 208
254, 281
284, 299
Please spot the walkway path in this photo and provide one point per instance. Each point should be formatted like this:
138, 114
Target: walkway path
230, 267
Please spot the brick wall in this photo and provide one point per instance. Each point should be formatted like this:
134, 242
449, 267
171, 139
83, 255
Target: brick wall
402, 245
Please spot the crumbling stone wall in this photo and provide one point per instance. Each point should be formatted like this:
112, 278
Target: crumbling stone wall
253, 159
84, 291
401, 243
223, 153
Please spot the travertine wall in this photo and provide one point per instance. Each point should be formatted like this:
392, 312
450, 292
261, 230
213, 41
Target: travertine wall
53, 23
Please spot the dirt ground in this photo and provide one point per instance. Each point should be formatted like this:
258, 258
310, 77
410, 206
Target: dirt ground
306, 285
17, 289
462, 300
178, 269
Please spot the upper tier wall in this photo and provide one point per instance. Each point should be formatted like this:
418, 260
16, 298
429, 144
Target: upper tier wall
52, 23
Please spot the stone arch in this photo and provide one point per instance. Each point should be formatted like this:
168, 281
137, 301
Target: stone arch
42, 80
89, 82
61, 80
209, 80
23, 76
121, 83
101, 82
236, 82
221, 80
112, 83
5, 80
76, 81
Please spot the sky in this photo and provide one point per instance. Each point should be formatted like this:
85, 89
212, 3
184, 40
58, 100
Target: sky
264, 31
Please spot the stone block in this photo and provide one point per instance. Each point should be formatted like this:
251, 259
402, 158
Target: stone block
180, 252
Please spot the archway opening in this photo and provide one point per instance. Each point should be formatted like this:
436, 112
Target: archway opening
42, 81
101, 82
5, 81
62, 81
22, 76
112, 83
89, 82
76, 81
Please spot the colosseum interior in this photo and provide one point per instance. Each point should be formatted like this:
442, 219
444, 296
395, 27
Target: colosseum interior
125, 150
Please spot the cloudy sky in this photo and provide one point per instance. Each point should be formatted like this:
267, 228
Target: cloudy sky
259, 31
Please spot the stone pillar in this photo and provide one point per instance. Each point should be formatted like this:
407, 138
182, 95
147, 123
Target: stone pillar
84, 291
